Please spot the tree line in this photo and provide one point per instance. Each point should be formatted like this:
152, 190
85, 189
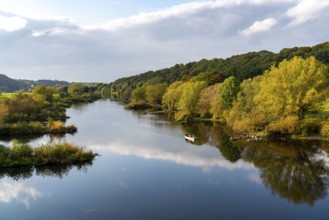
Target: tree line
43, 110
252, 93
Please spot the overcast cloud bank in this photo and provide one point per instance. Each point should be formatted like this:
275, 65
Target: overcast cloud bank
58, 48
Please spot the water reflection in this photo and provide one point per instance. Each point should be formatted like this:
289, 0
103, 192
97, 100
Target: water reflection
295, 170
20, 192
26, 172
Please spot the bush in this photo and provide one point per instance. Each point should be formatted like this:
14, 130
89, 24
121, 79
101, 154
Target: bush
325, 130
286, 125
309, 127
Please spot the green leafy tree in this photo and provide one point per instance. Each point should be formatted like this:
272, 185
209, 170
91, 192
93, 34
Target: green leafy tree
228, 92
155, 92
243, 114
293, 88
138, 94
190, 96
45, 92
77, 89
171, 98
3, 112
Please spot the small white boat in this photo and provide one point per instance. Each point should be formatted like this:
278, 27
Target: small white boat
189, 137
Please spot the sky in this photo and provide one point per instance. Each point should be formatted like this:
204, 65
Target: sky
103, 40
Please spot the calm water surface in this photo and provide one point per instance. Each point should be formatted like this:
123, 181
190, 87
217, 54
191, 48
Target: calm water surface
148, 171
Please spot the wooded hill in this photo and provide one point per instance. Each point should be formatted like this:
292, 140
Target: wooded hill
216, 70
258, 92
13, 85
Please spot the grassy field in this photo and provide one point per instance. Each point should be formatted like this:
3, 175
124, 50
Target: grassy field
7, 95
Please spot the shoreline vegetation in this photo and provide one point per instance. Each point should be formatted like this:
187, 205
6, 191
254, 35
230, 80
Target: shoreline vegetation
19, 155
258, 95
42, 110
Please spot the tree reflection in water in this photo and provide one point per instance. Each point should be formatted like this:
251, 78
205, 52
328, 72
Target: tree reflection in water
21, 173
295, 170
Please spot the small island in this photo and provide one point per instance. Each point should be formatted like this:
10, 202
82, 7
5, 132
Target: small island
19, 155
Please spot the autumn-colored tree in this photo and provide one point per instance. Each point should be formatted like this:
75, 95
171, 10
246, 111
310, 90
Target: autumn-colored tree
293, 88
155, 92
190, 96
171, 98
279, 100
208, 103
243, 115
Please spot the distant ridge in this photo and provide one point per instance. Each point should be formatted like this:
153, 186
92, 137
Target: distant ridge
242, 66
13, 85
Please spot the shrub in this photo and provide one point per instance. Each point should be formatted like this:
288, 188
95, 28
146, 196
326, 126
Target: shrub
325, 130
309, 127
286, 125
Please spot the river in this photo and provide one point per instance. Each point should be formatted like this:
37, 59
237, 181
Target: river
148, 171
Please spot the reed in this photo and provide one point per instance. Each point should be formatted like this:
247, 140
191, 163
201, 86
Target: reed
47, 154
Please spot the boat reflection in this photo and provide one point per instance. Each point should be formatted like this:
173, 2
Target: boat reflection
295, 170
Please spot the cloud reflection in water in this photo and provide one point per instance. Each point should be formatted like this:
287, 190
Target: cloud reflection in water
22, 193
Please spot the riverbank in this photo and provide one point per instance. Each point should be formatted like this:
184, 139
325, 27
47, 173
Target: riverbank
47, 154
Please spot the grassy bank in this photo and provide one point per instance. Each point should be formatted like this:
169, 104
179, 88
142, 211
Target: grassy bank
48, 154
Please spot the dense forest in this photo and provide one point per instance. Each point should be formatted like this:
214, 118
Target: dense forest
261, 92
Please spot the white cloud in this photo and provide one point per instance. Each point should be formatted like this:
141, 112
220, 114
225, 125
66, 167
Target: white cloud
181, 10
259, 26
306, 10
12, 23
62, 49
17, 191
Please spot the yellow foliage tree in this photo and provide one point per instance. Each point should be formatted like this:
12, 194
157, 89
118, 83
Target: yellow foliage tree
293, 88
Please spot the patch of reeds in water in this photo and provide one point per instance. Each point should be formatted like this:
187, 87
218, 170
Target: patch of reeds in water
47, 154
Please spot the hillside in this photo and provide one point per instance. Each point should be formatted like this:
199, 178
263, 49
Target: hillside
216, 70
13, 85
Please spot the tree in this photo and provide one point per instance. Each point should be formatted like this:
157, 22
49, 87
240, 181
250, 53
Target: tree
207, 104
3, 112
279, 100
155, 92
46, 92
172, 96
293, 88
190, 96
77, 89
243, 114
228, 92
138, 94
